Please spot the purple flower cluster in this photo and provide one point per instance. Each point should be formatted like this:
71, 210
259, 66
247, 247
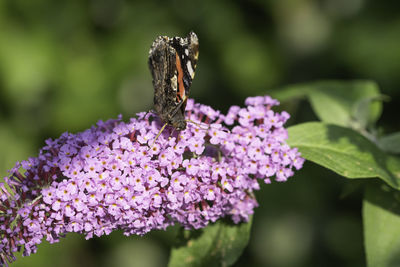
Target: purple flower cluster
117, 175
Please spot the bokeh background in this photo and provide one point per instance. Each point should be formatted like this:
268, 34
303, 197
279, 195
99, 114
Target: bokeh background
66, 64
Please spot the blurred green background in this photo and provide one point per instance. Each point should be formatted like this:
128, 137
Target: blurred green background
66, 64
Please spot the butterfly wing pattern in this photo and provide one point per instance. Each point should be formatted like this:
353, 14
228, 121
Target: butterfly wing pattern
172, 63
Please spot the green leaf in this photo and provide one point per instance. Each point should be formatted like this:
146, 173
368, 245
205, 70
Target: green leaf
346, 103
390, 143
291, 92
219, 244
381, 216
335, 101
362, 111
344, 151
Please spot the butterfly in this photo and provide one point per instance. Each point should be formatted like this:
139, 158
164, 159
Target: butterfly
172, 63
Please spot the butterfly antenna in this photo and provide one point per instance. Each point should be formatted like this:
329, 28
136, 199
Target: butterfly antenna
206, 129
198, 125
159, 133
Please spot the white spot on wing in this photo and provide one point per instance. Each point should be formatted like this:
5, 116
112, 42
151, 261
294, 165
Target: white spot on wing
187, 52
174, 83
190, 69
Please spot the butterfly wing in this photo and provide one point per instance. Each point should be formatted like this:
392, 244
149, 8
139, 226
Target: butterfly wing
187, 52
162, 68
172, 63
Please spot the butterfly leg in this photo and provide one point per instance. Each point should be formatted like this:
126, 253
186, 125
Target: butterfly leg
159, 133
178, 106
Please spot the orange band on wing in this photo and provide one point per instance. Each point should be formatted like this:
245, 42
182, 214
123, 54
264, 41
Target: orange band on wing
181, 87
